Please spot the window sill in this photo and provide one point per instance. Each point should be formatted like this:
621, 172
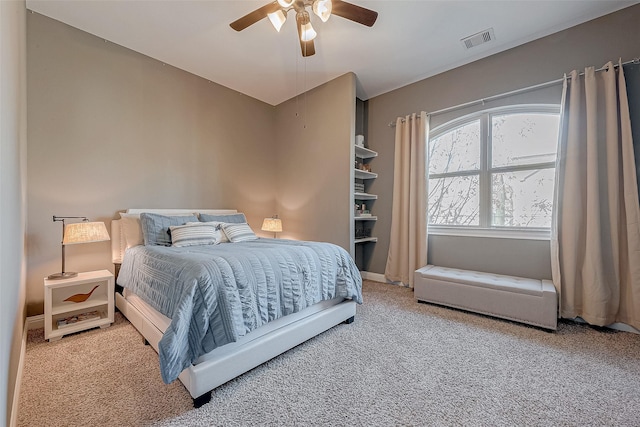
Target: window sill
495, 233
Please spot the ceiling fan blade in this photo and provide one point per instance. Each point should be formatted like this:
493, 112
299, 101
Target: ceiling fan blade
255, 16
354, 13
308, 48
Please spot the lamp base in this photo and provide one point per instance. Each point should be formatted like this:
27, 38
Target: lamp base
65, 275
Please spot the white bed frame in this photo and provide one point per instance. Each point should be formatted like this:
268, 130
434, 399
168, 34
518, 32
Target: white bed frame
202, 378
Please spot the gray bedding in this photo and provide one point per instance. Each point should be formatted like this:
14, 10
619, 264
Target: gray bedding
218, 293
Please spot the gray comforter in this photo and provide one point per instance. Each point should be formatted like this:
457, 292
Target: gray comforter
216, 294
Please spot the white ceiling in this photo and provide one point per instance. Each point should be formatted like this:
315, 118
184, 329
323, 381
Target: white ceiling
410, 41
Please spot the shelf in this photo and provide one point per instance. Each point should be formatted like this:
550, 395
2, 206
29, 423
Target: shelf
81, 278
360, 174
364, 196
365, 153
365, 218
73, 306
366, 240
78, 326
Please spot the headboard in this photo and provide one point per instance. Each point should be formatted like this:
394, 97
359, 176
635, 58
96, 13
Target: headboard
118, 243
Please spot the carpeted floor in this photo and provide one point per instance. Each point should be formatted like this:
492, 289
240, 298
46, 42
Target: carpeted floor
400, 363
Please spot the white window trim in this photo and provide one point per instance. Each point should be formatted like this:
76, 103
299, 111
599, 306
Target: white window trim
485, 229
498, 233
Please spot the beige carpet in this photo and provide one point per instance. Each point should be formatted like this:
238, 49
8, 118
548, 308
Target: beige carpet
400, 363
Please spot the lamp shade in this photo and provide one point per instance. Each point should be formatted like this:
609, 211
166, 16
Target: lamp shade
308, 33
273, 225
322, 8
305, 30
85, 232
278, 19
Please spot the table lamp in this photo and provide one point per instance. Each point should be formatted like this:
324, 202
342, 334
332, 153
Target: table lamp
273, 225
79, 232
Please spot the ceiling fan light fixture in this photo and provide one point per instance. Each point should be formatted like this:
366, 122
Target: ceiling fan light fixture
307, 33
322, 8
277, 11
286, 3
277, 19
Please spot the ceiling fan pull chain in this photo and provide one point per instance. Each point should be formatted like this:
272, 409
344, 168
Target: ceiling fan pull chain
297, 85
304, 123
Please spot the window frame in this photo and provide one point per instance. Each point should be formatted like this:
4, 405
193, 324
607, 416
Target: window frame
485, 229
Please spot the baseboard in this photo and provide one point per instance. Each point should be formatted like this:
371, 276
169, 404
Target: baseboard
34, 322
15, 405
623, 327
615, 326
376, 277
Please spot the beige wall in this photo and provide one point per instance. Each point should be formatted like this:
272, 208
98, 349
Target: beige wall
111, 129
593, 43
12, 199
315, 163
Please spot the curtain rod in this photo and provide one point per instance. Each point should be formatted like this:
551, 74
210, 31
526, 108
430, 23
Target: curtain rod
513, 92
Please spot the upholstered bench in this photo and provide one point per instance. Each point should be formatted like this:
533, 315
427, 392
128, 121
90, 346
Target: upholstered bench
515, 298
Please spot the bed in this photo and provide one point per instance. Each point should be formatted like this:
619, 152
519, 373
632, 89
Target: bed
210, 311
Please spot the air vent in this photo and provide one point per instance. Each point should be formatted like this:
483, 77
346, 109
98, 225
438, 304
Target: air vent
478, 39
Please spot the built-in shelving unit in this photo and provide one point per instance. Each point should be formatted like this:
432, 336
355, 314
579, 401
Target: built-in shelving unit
363, 219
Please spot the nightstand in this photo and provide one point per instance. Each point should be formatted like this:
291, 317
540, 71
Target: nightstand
78, 303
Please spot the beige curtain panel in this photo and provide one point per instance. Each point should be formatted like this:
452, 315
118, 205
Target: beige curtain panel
595, 234
408, 240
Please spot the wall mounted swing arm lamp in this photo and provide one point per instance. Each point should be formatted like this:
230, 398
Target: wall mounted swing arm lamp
78, 232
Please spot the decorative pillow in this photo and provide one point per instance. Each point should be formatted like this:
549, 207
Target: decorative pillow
239, 232
236, 218
194, 234
218, 226
155, 227
132, 229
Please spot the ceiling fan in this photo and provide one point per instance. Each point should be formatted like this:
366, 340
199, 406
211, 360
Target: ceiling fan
277, 11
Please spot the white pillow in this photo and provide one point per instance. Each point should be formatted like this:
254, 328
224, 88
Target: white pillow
194, 234
132, 229
218, 225
239, 232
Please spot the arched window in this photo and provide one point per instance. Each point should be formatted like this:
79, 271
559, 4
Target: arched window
494, 171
